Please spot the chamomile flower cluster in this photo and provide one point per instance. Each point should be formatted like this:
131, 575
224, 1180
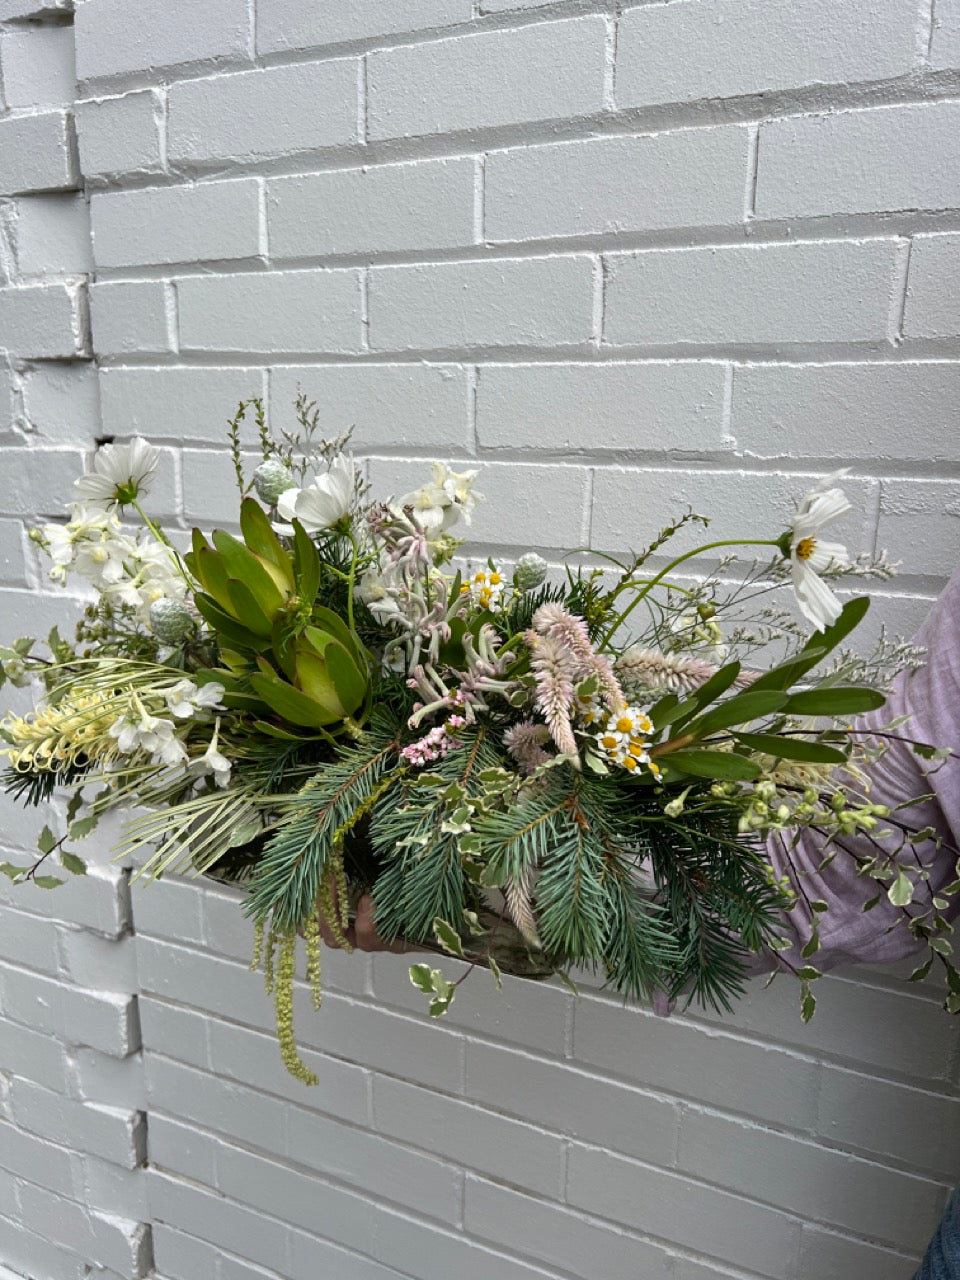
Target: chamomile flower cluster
624, 740
485, 589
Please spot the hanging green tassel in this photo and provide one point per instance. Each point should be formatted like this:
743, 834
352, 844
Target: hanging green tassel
283, 1001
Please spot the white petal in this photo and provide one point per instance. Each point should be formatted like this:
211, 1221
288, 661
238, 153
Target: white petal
287, 504
826, 554
817, 602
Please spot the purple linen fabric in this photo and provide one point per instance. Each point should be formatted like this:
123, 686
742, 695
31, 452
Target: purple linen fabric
931, 698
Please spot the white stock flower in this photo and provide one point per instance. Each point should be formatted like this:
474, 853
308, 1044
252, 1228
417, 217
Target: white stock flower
441, 502
810, 554
458, 486
379, 588
323, 502
214, 761
151, 734
185, 698
121, 474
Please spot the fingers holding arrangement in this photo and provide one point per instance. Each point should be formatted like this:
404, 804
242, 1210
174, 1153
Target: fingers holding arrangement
367, 935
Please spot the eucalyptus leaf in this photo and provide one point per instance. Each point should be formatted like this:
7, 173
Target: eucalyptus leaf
784, 747
714, 764
843, 700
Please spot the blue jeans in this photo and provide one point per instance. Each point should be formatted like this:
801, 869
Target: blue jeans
942, 1259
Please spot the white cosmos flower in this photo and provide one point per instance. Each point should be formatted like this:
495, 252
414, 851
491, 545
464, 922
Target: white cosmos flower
810, 554
121, 474
323, 502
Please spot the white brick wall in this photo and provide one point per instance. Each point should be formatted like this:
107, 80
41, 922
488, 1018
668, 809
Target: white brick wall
624, 257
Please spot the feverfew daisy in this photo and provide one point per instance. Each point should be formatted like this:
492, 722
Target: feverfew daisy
623, 740
809, 554
122, 473
485, 589
588, 710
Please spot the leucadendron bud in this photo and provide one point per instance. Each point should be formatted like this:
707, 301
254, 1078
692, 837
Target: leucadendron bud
271, 479
171, 621
530, 572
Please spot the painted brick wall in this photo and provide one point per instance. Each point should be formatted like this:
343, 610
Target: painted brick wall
626, 256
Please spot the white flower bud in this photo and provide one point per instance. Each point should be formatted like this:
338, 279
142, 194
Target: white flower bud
171, 621
271, 479
530, 572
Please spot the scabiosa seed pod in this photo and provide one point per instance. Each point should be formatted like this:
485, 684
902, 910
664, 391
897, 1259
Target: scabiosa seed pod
530, 572
271, 479
171, 621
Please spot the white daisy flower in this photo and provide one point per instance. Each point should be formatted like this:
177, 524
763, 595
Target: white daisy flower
323, 502
121, 474
628, 723
810, 554
623, 740
485, 589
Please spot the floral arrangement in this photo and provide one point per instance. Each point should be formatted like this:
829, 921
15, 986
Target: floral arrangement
530, 771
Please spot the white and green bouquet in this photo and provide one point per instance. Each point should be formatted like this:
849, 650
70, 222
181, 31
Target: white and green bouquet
539, 771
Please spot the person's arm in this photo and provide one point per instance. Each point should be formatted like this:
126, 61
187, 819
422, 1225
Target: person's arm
930, 698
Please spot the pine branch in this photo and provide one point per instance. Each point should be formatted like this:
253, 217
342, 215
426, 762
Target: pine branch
289, 875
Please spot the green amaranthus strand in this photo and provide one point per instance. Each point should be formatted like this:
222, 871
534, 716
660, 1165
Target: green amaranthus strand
311, 935
283, 1003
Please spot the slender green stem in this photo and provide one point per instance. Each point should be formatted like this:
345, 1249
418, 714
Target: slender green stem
687, 555
351, 579
162, 538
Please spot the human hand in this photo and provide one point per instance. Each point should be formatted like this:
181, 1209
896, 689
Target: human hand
363, 933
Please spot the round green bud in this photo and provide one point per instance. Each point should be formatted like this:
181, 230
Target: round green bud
271, 479
171, 621
530, 572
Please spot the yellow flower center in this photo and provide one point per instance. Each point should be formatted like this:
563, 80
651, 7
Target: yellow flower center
806, 548
608, 742
629, 763
495, 579
624, 725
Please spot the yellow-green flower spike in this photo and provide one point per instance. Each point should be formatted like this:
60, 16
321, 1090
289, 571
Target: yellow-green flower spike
283, 1003
311, 934
258, 933
268, 975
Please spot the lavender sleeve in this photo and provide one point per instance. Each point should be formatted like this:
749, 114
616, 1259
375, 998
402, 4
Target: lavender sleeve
930, 698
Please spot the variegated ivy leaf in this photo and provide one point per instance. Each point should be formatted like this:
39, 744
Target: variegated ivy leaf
900, 892
420, 977
459, 821
83, 826
70, 862
447, 936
